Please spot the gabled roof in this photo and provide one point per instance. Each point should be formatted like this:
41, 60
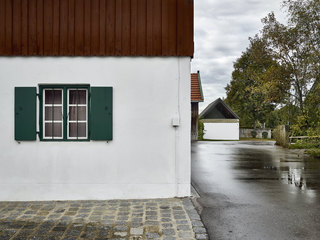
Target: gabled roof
196, 88
96, 28
219, 103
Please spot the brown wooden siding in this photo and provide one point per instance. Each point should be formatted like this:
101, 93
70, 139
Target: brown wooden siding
96, 28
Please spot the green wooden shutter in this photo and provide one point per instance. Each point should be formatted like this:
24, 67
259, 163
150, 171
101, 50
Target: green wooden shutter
25, 113
101, 113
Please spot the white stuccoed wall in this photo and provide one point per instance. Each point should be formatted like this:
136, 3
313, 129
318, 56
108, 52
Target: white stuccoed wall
221, 131
148, 157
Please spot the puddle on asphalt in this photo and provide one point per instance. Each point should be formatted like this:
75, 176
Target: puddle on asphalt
277, 164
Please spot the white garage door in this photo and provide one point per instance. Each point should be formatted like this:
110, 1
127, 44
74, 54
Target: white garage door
221, 131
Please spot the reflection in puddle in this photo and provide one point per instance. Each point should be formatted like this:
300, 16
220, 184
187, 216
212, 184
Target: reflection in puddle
269, 163
294, 177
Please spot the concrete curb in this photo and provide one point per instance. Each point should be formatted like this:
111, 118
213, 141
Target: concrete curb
196, 222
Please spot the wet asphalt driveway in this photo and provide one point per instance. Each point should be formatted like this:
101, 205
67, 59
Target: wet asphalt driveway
255, 190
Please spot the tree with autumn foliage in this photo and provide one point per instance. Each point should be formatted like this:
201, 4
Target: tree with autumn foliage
258, 84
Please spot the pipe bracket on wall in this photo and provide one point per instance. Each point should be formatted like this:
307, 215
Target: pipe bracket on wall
175, 121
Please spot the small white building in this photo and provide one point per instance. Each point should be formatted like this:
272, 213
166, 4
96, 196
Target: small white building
220, 122
95, 99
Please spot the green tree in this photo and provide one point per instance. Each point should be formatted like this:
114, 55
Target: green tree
257, 84
305, 16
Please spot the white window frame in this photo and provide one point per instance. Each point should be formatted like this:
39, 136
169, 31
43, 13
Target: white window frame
44, 105
75, 121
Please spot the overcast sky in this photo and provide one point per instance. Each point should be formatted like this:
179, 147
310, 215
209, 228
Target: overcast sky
222, 29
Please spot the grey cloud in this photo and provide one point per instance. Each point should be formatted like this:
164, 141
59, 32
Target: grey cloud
222, 29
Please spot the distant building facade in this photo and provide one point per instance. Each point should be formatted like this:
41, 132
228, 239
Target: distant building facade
220, 122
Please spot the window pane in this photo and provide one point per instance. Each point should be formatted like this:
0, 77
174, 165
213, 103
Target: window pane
81, 113
77, 96
57, 129
72, 96
72, 129
48, 96
82, 129
53, 129
57, 96
53, 96
82, 116
55, 111
82, 96
73, 113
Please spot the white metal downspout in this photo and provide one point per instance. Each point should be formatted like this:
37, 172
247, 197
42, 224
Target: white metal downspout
176, 160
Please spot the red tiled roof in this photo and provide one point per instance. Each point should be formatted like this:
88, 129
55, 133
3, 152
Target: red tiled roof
196, 91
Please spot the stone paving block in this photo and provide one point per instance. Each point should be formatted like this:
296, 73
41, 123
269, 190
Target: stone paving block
136, 224
169, 238
152, 223
59, 229
179, 217
182, 222
202, 236
151, 217
166, 219
55, 234
197, 223
137, 214
168, 231
199, 230
177, 208
183, 227
87, 235
151, 213
152, 235
36, 238
136, 231
167, 225
193, 216
121, 222
120, 228
107, 222
188, 234
120, 234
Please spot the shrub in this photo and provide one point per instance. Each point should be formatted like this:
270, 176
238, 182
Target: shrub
281, 135
314, 152
254, 134
300, 127
265, 135
314, 132
306, 144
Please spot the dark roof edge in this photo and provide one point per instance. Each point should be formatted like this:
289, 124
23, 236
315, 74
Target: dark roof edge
200, 86
213, 104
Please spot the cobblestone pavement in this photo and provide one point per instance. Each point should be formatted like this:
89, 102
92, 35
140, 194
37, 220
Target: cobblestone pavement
166, 219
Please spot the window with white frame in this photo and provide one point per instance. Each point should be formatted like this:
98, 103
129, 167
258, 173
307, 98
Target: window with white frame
67, 113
